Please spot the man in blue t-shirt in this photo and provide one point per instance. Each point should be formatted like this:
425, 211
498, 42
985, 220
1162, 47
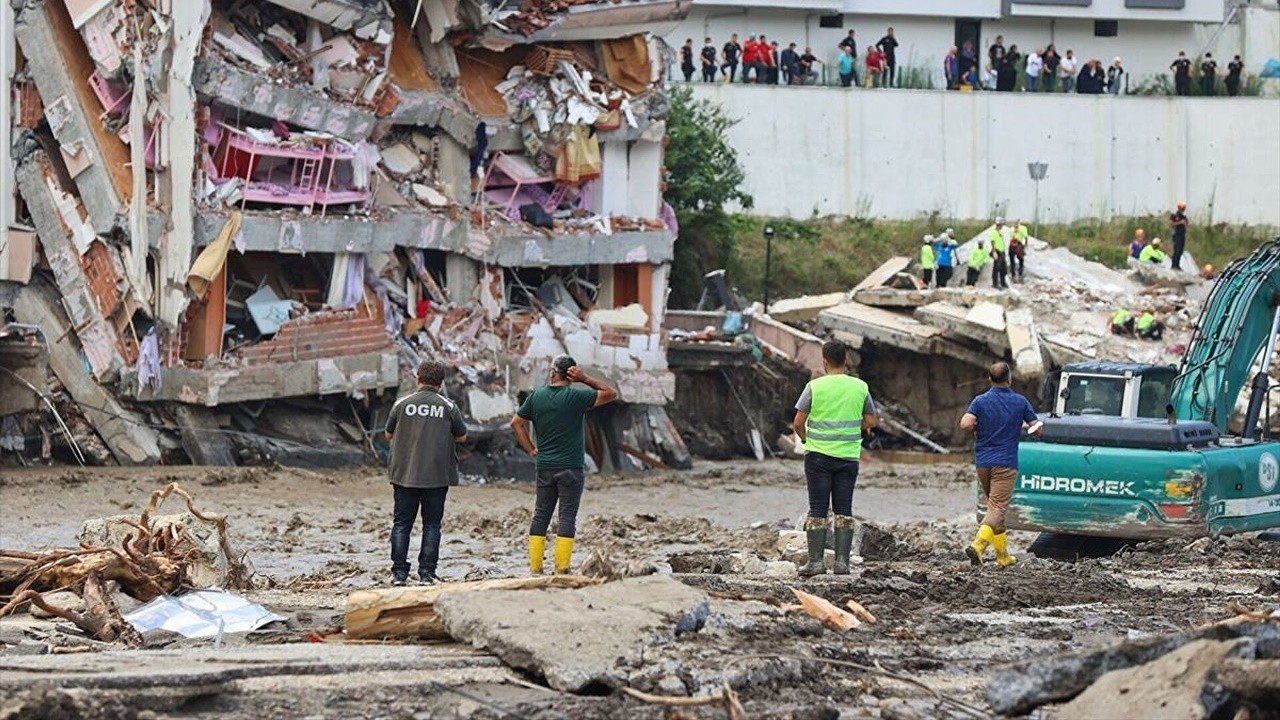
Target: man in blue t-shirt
997, 417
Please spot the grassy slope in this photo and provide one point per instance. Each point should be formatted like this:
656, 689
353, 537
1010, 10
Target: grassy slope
831, 254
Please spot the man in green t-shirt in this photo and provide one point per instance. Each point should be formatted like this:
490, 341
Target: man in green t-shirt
556, 412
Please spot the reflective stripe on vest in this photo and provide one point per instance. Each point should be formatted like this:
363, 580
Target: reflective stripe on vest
834, 426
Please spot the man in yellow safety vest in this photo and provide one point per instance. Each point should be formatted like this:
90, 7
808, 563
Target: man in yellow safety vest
928, 263
977, 258
831, 415
1000, 270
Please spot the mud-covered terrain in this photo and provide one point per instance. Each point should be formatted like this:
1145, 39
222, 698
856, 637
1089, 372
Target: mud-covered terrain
943, 628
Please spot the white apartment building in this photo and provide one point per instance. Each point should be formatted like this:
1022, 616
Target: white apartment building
1146, 34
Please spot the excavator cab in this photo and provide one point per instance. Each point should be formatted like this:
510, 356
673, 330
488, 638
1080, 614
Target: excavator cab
1114, 389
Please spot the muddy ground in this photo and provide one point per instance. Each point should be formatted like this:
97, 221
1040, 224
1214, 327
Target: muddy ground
313, 537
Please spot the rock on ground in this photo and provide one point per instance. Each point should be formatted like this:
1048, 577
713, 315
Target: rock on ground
1172, 686
577, 639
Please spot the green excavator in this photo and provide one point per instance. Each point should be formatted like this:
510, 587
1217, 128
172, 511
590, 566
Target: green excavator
1102, 470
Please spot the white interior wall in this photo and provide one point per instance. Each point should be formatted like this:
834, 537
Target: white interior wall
903, 153
644, 194
611, 189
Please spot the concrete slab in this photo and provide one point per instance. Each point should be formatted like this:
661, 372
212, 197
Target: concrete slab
1024, 345
215, 386
882, 274
579, 640
880, 325
892, 298
126, 434
805, 308
986, 325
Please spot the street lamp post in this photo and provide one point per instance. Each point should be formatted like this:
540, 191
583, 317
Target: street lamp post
1037, 170
768, 260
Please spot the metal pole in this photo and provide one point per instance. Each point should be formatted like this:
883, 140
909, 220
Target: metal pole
1036, 220
768, 257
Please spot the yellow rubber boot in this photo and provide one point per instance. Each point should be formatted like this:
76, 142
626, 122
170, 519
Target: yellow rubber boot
537, 548
979, 545
1002, 550
563, 552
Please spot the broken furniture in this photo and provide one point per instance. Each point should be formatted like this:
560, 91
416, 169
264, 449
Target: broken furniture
319, 172
513, 181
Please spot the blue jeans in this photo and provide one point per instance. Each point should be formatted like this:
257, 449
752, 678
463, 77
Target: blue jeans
408, 502
831, 481
1033, 83
562, 488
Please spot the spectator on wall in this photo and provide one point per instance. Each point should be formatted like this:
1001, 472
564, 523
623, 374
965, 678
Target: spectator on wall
1092, 80
1051, 63
845, 68
1235, 70
1208, 75
686, 60
731, 53
996, 53
968, 58
771, 63
951, 68
1069, 69
876, 67
789, 63
1115, 77
1007, 70
1181, 68
989, 78
750, 58
1035, 66
708, 62
808, 75
851, 43
888, 45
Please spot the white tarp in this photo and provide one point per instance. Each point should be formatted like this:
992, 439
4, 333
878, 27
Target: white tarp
201, 614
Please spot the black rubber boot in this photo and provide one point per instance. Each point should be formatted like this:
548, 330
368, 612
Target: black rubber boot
843, 543
815, 530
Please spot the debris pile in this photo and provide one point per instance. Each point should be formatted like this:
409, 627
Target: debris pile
244, 204
145, 558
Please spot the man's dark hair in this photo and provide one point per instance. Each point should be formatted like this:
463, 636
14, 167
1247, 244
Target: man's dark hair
431, 373
999, 373
562, 364
835, 352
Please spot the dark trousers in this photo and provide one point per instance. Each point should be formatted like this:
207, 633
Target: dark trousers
928, 276
731, 69
1017, 263
1155, 332
971, 276
557, 487
1182, 86
1207, 85
688, 72
830, 482
709, 73
846, 79
408, 503
944, 275
999, 271
1179, 245
1233, 86
889, 74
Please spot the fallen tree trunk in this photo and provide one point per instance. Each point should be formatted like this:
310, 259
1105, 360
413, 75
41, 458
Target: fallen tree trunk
409, 612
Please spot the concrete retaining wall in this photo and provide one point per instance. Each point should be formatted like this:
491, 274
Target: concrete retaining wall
903, 153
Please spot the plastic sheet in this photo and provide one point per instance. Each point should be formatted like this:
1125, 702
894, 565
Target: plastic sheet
201, 614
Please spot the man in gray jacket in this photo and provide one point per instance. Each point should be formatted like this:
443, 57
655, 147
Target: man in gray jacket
424, 429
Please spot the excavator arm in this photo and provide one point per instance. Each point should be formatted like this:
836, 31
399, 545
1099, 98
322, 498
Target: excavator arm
1239, 318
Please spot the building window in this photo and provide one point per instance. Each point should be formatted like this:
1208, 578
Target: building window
831, 21
1156, 4
1106, 28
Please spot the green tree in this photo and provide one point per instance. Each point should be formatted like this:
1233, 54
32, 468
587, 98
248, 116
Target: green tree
703, 176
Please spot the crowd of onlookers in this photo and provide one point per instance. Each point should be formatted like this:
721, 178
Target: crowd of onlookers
1004, 69
761, 60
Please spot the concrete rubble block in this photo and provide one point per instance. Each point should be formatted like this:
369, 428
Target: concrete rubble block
578, 640
883, 326
970, 296
1024, 344
209, 565
983, 322
805, 308
1160, 275
888, 297
884, 273
401, 160
1171, 686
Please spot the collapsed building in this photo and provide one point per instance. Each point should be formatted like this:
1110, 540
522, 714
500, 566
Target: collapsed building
254, 219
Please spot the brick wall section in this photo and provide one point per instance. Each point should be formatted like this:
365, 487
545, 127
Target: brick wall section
320, 335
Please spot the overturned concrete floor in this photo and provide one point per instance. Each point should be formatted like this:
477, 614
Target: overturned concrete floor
940, 622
